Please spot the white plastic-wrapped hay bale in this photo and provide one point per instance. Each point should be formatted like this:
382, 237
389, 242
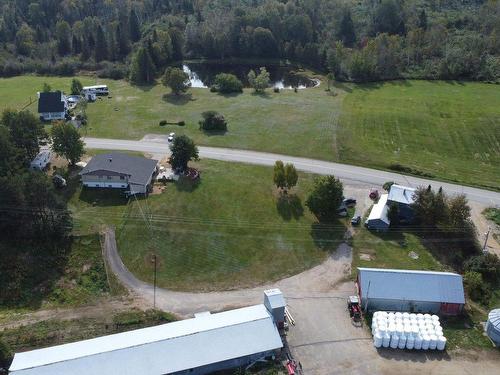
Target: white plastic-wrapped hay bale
427, 316
410, 341
402, 341
394, 341
432, 342
406, 315
398, 315
377, 340
418, 342
425, 341
391, 316
435, 318
441, 343
386, 340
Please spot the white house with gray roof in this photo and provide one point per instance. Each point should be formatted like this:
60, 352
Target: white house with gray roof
119, 171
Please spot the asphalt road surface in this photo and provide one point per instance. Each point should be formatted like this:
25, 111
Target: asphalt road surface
157, 144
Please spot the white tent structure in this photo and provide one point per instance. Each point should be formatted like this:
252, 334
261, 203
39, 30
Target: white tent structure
204, 344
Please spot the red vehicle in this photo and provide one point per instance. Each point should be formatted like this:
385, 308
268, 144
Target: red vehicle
354, 308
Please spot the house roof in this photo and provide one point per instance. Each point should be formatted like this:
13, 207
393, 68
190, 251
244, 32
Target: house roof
379, 210
163, 349
50, 102
424, 286
138, 168
401, 194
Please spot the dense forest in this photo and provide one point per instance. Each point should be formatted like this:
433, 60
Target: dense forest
355, 40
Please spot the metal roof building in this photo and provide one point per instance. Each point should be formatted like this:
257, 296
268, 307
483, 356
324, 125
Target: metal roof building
401, 194
493, 326
378, 219
206, 343
406, 290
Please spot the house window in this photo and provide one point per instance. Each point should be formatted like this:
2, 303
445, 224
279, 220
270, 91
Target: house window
109, 177
122, 177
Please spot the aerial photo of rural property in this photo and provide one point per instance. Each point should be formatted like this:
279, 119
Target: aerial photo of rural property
258, 187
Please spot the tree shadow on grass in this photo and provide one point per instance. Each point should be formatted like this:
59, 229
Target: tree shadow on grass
347, 87
187, 185
214, 133
181, 99
328, 236
289, 206
30, 273
263, 95
145, 88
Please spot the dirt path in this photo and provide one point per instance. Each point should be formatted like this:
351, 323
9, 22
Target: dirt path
103, 307
483, 225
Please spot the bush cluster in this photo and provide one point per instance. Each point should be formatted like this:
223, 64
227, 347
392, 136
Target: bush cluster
213, 121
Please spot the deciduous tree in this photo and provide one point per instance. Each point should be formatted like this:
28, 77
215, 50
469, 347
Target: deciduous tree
176, 79
183, 151
67, 142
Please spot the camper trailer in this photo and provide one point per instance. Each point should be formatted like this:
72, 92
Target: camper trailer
99, 90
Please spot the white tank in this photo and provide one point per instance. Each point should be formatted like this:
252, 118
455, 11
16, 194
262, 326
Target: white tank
410, 342
418, 342
441, 343
402, 341
433, 342
377, 340
394, 341
425, 342
386, 340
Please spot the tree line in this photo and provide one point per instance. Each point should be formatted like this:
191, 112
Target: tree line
359, 41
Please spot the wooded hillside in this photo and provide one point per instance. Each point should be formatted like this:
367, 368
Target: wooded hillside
356, 40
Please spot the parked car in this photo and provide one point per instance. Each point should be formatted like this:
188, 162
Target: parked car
171, 137
349, 202
59, 181
356, 220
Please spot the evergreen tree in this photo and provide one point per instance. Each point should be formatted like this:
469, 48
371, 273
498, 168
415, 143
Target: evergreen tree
422, 20
134, 26
101, 47
346, 31
142, 70
63, 33
123, 47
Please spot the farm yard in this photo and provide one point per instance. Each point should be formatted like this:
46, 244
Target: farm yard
229, 231
443, 130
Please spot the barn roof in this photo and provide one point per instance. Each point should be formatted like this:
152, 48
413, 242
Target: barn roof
163, 349
138, 168
423, 286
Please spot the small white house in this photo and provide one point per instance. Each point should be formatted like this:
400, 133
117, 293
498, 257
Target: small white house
378, 219
52, 105
41, 160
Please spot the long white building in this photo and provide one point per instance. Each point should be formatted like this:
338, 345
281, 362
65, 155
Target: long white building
206, 343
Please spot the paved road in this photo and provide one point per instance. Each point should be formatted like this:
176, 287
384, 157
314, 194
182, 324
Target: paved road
156, 144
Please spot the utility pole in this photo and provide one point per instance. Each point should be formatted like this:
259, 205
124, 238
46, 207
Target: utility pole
486, 239
154, 281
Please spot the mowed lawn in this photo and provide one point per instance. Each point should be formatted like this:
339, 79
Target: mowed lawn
227, 232
448, 130
286, 122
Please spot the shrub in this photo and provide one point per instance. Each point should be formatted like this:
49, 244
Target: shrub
213, 88
476, 288
488, 265
5, 353
163, 122
113, 71
227, 83
276, 90
213, 120
181, 123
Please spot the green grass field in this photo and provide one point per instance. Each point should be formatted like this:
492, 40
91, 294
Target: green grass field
391, 250
446, 130
229, 231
